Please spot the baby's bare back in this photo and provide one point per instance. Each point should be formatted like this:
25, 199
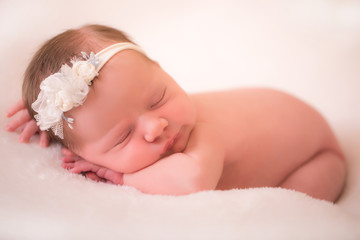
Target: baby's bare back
267, 134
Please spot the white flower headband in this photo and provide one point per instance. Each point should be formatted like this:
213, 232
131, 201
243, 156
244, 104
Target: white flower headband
69, 87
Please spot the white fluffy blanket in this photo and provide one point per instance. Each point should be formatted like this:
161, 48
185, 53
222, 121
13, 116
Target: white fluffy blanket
308, 48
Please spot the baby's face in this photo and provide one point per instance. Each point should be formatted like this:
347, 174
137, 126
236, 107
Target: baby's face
134, 115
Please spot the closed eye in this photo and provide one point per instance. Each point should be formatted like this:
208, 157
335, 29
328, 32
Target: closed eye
123, 138
158, 102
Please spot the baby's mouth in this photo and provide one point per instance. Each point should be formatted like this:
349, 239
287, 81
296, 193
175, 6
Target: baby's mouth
169, 144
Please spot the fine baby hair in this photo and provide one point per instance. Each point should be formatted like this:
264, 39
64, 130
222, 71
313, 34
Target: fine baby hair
58, 65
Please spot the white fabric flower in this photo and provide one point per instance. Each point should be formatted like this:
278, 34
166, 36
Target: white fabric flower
84, 70
64, 101
62, 91
47, 114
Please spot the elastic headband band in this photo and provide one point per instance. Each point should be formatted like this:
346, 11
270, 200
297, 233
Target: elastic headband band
68, 88
107, 53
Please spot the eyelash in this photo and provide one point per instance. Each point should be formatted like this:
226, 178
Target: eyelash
160, 100
122, 140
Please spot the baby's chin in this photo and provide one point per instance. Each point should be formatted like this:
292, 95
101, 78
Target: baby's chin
166, 154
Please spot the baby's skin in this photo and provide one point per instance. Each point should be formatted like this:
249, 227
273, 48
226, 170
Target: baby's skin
137, 127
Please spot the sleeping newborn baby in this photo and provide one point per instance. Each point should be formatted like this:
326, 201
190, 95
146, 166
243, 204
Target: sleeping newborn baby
123, 119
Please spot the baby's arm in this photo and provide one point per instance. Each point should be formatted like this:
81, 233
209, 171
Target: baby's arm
198, 168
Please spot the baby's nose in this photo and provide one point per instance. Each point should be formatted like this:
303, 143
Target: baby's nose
155, 129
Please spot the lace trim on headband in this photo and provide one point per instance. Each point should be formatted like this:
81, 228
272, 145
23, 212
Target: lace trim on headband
63, 91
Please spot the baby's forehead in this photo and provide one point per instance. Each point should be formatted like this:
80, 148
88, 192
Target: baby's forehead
126, 69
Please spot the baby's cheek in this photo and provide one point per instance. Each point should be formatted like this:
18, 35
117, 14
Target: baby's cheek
184, 110
146, 156
131, 158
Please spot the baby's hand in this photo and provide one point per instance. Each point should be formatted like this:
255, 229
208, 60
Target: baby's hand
23, 118
76, 164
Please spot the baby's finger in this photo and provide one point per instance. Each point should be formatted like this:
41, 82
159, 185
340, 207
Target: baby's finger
94, 177
44, 139
110, 175
84, 166
30, 129
115, 177
77, 170
19, 120
68, 160
67, 165
71, 159
15, 108
66, 152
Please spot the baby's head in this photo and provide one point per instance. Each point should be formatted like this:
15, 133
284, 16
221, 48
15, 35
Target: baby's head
127, 113
61, 50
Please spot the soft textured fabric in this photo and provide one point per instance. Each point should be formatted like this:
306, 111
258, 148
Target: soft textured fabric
310, 49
